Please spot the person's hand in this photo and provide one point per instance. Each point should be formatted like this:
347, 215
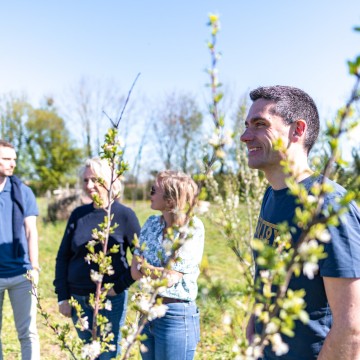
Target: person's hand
150, 270
111, 292
250, 329
65, 308
173, 277
33, 276
135, 267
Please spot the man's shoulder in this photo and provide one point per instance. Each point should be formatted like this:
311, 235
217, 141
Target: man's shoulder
337, 189
14, 180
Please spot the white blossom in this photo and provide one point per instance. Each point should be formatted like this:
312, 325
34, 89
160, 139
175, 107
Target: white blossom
91, 243
205, 291
253, 352
265, 274
145, 284
110, 270
311, 199
203, 207
96, 276
83, 323
108, 305
157, 311
167, 245
220, 153
112, 347
226, 319
88, 258
227, 138
310, 269
307, 246
144, 305
108, 327
324, 236
215, 140
91, 351
271, 328
108, 147
143, 348
101, 234
278, 346
129, 340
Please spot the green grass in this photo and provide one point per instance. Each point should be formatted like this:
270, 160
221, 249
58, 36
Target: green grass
218, 285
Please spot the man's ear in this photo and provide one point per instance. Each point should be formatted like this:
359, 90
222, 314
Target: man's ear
298, 130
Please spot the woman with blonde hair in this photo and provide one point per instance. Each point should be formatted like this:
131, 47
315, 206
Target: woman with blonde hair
174, 336
72, 275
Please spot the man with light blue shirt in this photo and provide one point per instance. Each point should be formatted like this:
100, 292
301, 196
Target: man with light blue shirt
18, 252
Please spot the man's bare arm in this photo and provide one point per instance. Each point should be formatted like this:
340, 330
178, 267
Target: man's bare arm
343, 340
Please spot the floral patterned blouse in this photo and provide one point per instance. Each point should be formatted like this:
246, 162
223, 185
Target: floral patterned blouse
189, 255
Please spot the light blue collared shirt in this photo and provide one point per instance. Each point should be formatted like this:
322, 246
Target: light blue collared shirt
189, 255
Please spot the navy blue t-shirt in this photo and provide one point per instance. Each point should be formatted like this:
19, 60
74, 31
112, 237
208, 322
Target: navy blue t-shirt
9, 265
343, 261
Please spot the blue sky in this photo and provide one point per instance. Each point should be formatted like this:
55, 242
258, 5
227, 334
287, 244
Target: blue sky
48, 45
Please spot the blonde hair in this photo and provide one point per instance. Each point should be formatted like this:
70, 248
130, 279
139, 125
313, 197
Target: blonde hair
101, 168
180, 192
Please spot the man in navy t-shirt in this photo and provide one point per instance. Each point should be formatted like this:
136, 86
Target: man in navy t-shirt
333, 294
18, 252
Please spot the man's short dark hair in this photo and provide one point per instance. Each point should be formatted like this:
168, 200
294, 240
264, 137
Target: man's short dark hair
5, 143
292, 104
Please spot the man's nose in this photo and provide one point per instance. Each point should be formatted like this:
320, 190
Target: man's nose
246, 135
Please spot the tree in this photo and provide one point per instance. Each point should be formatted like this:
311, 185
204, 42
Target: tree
13, 115
177, 127
54, 155
89, 99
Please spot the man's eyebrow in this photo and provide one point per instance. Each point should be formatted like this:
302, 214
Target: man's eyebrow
256, 118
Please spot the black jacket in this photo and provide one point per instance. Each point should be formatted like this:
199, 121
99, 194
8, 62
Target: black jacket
72, 272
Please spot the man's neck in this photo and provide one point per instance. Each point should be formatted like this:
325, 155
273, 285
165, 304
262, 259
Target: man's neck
2, 182
277, 179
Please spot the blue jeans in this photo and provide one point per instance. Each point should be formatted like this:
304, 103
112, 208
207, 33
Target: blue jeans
24, 308
116, 317
174, 336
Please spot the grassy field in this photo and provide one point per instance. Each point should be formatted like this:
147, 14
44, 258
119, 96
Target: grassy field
218, 284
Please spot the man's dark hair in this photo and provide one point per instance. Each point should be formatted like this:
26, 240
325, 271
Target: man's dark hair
6, 144
292, 104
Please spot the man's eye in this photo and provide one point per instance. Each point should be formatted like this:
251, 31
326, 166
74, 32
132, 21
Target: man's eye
259, 124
